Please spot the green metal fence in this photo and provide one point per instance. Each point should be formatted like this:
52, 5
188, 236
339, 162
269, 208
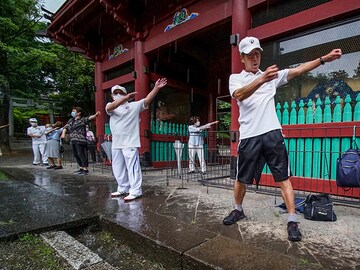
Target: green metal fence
314, 153
162, 148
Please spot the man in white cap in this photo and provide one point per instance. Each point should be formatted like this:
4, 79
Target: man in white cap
125, 130
37, 133
260, 130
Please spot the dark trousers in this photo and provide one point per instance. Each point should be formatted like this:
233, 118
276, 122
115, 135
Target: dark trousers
80, 154
92, 151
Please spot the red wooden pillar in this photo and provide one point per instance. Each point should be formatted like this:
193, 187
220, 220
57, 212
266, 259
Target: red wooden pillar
142, 87
99, 100
212, 144
240, 25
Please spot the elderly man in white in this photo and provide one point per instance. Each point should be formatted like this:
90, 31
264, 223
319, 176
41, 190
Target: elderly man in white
37, 133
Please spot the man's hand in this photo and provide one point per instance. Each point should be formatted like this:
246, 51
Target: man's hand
160, 83
130, 96
270, 73
333, 55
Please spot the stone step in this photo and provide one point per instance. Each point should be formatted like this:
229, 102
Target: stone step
76, 254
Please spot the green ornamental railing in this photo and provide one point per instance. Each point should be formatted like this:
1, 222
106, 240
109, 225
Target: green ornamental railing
315, 156
163, 149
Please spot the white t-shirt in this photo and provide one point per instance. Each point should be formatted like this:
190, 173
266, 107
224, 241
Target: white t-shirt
257, 112
38, 130
125, 124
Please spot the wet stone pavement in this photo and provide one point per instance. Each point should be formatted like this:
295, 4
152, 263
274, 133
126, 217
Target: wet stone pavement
175, 223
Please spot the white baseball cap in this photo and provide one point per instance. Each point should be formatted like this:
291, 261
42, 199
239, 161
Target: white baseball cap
33, 120
118, 87
247, 44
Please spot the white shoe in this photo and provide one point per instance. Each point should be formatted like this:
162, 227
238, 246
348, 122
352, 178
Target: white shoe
131, 197
118, 193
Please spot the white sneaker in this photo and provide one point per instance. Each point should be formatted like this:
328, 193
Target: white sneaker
131, 197
118, 193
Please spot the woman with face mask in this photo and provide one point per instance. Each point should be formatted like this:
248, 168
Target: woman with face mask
76, 128
196, 143
91, 143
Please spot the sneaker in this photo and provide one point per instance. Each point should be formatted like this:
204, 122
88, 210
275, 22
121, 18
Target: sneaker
191, 172
45, 164
36, 164
78, 171
84, 172
119, 193
58, 167
51, 167
234, 216
294, 233
131, 197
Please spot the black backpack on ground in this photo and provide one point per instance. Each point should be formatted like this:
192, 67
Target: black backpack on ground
319, 207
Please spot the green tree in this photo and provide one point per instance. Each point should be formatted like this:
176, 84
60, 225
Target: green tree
33, 68
18, 53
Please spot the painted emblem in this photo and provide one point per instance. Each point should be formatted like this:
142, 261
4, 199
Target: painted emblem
181, 17
117, 51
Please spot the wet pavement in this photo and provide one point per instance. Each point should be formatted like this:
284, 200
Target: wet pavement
176, 223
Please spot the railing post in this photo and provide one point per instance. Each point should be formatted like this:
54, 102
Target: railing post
308, 141
335, 144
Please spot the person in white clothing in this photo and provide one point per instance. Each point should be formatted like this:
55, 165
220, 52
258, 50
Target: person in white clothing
196, 143
260, 130
37, 134
125, 130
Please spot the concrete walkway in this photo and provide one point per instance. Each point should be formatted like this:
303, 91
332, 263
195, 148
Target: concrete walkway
179, 224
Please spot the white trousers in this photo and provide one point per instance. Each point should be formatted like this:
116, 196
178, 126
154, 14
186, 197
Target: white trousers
199, 151
127, 170
39, 151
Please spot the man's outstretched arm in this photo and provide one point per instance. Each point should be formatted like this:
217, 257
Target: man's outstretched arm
306, 67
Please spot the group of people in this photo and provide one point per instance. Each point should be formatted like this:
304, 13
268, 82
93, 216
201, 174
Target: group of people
47, 141
260, 131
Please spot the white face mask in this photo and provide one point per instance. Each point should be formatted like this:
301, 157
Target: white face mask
117, 96
33, 124
73, 114
197, 124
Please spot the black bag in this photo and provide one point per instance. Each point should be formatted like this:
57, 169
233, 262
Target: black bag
348, 168
319, 207
62, 149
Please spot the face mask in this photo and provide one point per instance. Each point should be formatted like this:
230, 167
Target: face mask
197, 124
117, 96
87, 129
73, 114
33, 124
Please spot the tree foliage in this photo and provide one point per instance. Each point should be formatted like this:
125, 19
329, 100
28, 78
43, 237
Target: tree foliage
34, 68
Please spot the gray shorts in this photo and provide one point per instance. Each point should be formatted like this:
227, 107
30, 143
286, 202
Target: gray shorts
271, 148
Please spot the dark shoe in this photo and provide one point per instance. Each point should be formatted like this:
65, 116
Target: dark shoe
191, 172
58, 167
203, 173
45, 164
78, 171
234, 216
84, 172
294, 233
51, 167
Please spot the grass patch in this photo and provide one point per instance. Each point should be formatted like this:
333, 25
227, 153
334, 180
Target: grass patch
3, 176
30, 252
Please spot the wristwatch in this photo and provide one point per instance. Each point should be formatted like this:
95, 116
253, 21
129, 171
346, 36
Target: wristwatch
322, 61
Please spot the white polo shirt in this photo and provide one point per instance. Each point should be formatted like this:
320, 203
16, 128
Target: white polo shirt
125, 124
257, 112
38, 130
